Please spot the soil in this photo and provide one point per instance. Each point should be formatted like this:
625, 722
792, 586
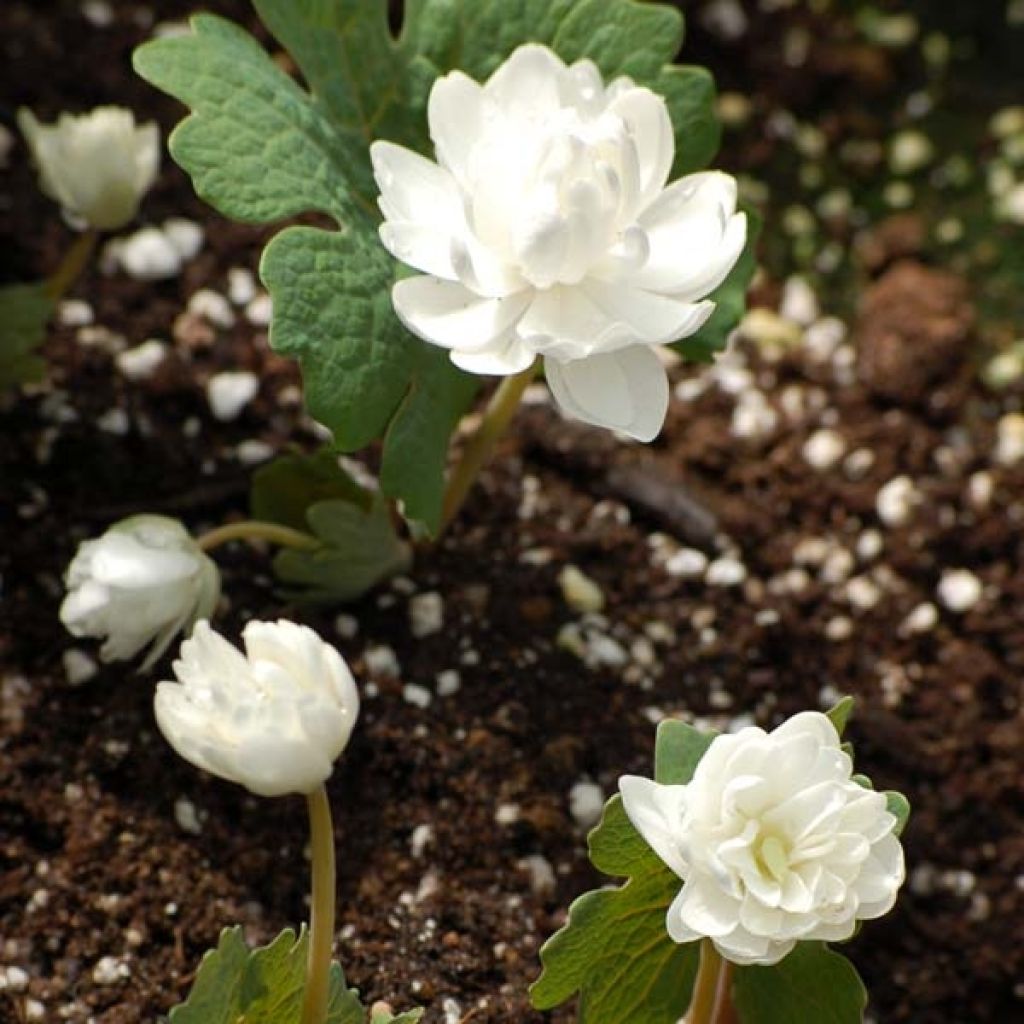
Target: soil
112, 847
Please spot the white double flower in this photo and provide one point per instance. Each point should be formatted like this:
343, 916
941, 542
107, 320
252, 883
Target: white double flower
773, 840
546, 229
273, 719
142, 582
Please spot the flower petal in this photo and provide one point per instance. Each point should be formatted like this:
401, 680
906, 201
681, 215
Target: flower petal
528, 82
656, 812
456, 113
450, 315
422, 208
652, 319
678, 929
647, 120
707, 909
695, 236
502, 359
625, 390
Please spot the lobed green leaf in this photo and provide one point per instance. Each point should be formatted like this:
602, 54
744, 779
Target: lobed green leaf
616, 953
360, 548
365, 374
257, 146
811, 984
678, 748
261, 986
283, 490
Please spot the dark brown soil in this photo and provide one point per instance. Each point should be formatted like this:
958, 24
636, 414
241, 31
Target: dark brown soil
94, 862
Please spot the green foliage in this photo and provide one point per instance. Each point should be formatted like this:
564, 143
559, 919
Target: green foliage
811, 984
360, 548
359, 545
365, 374
898, 805
615, 950
260, 148
24, 311
283, 489
265, 985
731, 299
840, 714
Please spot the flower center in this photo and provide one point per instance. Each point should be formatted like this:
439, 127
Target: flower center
566, 205
772, 857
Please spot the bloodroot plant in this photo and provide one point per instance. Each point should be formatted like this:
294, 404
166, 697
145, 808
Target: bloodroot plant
273, 720
539, 165
745, 855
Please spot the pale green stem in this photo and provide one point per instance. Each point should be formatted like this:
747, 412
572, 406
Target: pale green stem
252, 529
321, 917
494, 423
712, 990
74, 262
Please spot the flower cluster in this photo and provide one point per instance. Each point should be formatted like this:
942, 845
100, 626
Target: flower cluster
774, 841
545, 229
98, 166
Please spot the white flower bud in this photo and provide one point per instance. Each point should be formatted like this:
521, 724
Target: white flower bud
140, 583
273, 719
774, 841
98, 166
545, 228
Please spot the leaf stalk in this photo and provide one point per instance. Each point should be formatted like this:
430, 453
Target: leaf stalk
254, 530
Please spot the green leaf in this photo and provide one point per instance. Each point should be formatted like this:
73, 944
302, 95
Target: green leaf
811, 984
899, 805
840, 714
616, 953
261, 986
731, 299
284, 489
257, 146
690, 94
24, 311
383, 1017
370, 85
360, 548
623, 37
677, 750
615, 950
365, 374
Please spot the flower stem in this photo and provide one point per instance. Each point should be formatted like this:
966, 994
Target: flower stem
712, 990
74, 262
252, 529
321, 918
495, 421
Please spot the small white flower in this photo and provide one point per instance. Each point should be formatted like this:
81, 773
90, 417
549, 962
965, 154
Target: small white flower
774, 841
140, 583
273, 719
98, 166
546, 229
